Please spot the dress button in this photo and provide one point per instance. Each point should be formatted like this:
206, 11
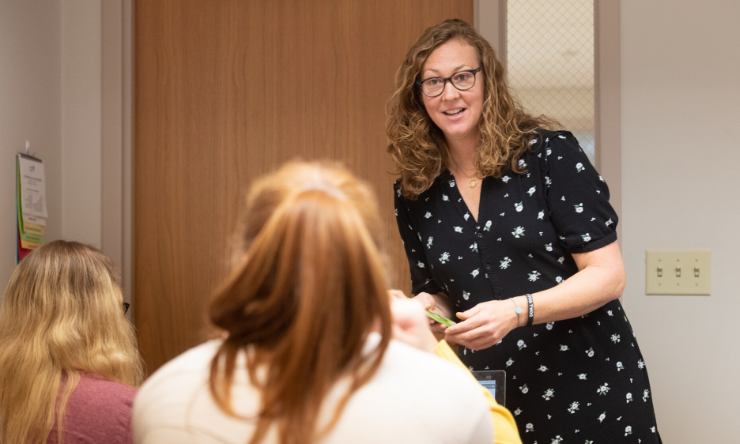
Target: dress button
480, 235
488, 267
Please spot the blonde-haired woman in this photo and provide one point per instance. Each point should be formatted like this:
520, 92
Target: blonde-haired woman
308, 354
508, 227
68, 356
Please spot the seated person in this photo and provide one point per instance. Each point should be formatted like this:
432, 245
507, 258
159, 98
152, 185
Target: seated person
68, 356
308, 352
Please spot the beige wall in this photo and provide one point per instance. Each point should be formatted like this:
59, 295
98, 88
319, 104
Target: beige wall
54, 87
680, 157
81, 120
30, 109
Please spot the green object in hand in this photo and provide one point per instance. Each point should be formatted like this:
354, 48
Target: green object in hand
439, 318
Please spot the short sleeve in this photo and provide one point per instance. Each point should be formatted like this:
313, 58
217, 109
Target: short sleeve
421, 275
577, 196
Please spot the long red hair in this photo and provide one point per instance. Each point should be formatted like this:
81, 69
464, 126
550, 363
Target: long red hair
302, 301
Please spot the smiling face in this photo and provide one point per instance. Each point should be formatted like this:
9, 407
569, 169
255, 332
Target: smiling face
455, 112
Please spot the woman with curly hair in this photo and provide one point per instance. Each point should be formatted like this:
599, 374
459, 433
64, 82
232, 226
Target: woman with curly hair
69, 363
508, 229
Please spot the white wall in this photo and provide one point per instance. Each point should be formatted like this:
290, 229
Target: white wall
680, 160
30, 109
81, 120
55, 92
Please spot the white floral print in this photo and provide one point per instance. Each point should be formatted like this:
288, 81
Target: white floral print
549, 393
573, 407
604, 389
505, 262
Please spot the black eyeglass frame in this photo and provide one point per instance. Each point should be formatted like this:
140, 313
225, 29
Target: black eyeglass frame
449, 79
126, 305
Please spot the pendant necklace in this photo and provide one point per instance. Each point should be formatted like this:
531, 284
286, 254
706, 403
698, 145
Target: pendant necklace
473, 183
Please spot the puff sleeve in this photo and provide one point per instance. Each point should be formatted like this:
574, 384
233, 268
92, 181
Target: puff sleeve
577, 196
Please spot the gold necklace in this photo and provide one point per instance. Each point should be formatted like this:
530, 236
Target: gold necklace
473, 183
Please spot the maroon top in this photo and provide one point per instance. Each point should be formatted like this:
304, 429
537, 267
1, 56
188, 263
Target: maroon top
98, 411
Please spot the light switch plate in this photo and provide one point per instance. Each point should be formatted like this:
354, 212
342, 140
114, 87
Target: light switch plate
678, 272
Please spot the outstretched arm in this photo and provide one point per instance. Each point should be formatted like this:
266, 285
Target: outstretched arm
600, 279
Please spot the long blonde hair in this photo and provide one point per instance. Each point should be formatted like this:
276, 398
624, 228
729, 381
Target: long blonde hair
62, 314
418, 146
309, 289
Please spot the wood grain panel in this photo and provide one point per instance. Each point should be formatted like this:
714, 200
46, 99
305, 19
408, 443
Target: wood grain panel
227, 90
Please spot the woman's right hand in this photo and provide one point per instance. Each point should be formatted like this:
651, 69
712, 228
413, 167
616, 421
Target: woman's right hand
438, 303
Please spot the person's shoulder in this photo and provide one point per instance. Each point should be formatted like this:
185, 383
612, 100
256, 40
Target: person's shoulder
426, 368
189, 366
94, 389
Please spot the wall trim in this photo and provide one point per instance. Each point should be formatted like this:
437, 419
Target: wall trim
117, 136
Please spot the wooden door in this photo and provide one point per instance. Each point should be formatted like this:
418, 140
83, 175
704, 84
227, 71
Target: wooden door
227, 90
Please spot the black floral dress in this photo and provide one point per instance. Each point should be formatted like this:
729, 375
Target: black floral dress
580, 380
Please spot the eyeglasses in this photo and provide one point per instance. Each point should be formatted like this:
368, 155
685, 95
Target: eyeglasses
462, 80
126, 305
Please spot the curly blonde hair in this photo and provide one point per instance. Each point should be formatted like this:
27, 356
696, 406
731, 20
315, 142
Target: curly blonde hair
419, 147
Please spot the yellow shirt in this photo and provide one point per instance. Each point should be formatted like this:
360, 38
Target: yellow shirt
504, 427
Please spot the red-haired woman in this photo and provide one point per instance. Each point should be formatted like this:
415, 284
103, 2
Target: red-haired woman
308, 355
508, 227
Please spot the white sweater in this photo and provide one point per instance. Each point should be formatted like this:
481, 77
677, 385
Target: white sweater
414, 397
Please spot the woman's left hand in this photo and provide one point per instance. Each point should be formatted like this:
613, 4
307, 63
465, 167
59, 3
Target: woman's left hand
483, 325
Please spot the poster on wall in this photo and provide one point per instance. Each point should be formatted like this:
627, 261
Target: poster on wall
31, 204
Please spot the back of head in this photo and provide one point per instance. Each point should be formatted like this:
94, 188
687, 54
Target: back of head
308, 290
62, 313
